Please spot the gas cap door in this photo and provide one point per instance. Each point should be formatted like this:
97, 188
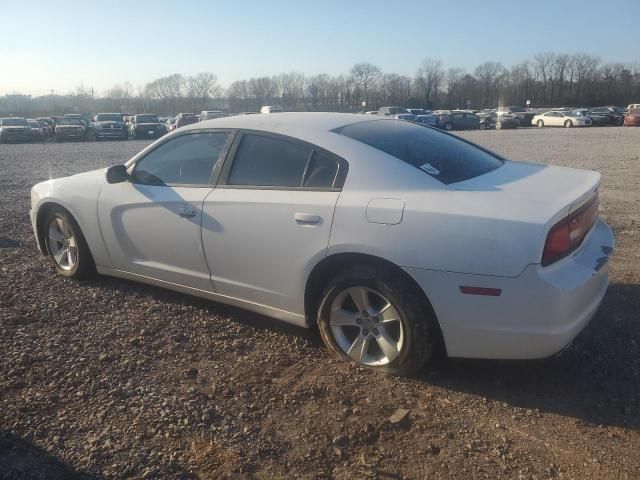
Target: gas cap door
387, 211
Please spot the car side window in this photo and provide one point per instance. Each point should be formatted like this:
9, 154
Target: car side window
265, 161
184, 160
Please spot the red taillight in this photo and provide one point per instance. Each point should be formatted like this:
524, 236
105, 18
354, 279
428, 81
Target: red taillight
567, 235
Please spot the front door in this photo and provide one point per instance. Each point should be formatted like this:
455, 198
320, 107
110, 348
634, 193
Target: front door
151, 224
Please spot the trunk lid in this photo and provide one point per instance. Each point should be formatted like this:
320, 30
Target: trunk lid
541, 193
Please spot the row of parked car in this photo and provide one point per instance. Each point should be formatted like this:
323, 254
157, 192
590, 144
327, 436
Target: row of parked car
514, 117
76, 126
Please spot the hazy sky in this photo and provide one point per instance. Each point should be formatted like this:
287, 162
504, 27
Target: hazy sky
62, 44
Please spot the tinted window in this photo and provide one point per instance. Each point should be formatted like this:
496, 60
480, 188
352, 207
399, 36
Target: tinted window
442, 156
321, 172
187, 159
268, 161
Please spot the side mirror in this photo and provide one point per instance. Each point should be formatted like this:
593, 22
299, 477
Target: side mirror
117, 174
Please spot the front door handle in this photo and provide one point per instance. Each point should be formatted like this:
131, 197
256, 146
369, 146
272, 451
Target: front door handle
307, 218
187, 212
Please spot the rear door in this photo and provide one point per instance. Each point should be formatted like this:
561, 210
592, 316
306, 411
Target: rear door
268, 220
151, 223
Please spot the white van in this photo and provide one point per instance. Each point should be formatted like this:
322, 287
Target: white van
271, 109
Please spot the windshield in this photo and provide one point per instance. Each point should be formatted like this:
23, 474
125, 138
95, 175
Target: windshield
147, 119
69, 121
33, 123
109, 117
634, 111
440, 155
14, 122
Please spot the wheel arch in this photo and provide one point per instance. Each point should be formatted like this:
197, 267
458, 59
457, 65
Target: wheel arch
41, 216
331, 265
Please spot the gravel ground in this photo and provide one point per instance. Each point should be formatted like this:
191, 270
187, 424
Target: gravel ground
111, 379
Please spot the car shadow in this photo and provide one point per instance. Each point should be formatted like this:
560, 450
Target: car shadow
596, 379
20, 458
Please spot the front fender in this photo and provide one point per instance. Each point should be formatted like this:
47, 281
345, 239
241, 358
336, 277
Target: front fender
79, 196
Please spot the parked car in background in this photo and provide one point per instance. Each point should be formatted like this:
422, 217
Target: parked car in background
459, 120
633, 106
110, 125
271, 109
48, 123
596, 119
522, 114
37, 130
14, 129
170, 124
429, 119
633, 118
371, 112
399, 113
419, 111
183, 119
615, 115
364, 226
557, 118
70, 128
493, 121
80, 117
146, 125
211, 114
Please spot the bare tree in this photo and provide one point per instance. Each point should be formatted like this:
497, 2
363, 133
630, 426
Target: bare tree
429, 79
543, 62
489, 74
201, 88
365, 76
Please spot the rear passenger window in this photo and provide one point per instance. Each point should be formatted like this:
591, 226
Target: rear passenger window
274, 162
322, 171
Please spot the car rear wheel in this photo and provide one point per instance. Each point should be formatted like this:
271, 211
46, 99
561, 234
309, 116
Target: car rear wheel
568, 124
540, 123
377, 318
66, 246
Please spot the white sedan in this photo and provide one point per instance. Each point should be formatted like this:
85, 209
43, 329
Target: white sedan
392, 237
560, 119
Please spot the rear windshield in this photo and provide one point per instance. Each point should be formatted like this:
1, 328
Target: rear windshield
109, 117
14, 122
443, 156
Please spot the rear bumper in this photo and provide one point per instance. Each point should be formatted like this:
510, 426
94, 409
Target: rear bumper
537, 313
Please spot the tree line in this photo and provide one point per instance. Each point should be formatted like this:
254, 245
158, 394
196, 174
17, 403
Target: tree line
547, 79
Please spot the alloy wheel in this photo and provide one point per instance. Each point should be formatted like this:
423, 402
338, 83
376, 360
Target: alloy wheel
366, 326
62, 244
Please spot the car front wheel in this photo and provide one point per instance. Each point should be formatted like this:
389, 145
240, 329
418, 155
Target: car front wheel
568, 124
377, 318
540, 124
66, 246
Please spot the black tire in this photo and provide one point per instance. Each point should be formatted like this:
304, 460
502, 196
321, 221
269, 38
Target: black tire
448, 126
568, 124
419, 322
84, 266
540, 123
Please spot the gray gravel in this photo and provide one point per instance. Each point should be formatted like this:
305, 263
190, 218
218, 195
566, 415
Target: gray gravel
111, 379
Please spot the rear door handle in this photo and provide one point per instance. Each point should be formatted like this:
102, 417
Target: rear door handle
187, 212
307, 218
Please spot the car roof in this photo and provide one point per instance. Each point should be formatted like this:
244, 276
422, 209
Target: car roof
287, 123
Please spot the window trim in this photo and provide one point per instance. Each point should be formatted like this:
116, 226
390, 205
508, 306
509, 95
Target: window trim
215, 173
229, 161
